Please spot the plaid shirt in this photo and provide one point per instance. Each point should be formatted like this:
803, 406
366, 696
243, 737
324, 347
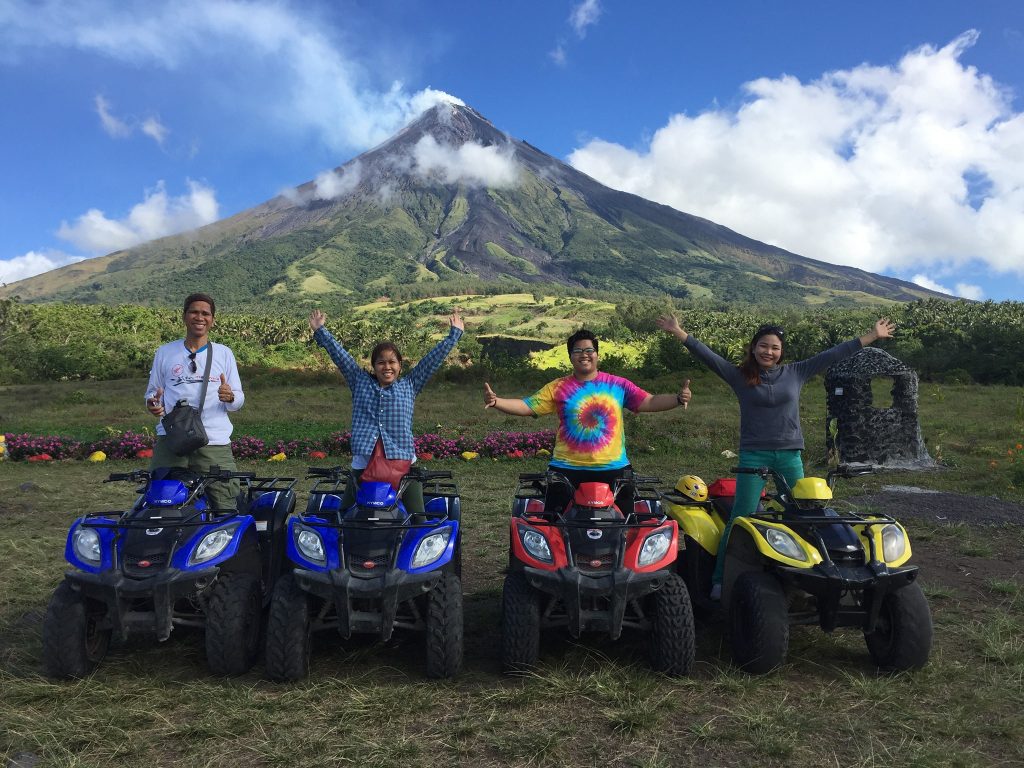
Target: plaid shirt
384, 412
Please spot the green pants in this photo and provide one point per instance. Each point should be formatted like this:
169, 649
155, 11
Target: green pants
222, 494
412, 497
748, 491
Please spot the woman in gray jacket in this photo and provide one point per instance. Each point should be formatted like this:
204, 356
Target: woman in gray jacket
769, 397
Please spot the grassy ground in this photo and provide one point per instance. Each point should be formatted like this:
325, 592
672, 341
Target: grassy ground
590, 703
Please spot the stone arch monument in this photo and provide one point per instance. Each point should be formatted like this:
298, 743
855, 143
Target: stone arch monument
859, 431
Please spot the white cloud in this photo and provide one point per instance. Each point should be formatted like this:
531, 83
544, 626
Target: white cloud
904, 167
469, 163
584, 15
968, 291
558, 55
257, 48
963, 290
114, 126
158, 215
330, 185
156, 130
33, 263
926, 282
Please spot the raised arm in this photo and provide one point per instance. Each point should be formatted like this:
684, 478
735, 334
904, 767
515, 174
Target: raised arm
511, 406
722, 367
428, 366
669, 324
883, 329
346, 363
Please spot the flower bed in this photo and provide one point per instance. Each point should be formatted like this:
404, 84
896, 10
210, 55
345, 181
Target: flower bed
133, 445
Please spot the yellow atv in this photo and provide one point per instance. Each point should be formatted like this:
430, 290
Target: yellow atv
798, 561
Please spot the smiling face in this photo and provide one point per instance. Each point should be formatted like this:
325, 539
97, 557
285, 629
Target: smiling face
584, 360
198, 321
387, 367
768, 350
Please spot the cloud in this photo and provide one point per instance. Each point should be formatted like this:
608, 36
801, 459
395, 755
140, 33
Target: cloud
156, 130
470, 163
903, 167
964, 290
584, 15
114, 126
558, 55
33, 263
257, 48
158, 215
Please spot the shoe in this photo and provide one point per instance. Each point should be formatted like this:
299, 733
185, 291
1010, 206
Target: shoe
716, 592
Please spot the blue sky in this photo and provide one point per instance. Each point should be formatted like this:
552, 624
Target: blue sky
888, 136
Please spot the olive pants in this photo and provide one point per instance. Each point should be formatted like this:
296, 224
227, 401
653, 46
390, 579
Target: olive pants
222, 494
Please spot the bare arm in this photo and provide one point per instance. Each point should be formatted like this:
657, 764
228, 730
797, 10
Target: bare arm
654, 403
509, 405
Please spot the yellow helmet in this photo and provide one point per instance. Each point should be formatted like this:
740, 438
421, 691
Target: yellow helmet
811, 489
693, 487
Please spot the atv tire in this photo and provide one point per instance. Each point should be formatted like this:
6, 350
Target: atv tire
289, 635
444, 628
75, 639
233, 624
671, 641
520, 625
758, 623
902, 638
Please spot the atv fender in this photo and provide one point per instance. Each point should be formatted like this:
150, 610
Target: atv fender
696, 523
756, 530
243, 528
871, 535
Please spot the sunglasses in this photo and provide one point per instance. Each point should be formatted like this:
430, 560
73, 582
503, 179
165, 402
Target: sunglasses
584, 351
192, 362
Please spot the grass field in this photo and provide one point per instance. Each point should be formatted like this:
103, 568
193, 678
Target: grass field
592, 703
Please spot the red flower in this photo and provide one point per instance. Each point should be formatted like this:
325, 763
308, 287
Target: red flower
41, 457
428, 456
517, 454
317, 455
144, 453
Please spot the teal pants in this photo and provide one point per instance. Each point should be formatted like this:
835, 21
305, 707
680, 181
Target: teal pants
748, 491
221, 494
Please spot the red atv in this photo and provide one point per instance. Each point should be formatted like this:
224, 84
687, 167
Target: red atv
590, 568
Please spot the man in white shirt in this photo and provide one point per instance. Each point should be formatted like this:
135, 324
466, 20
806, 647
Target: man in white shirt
177, 374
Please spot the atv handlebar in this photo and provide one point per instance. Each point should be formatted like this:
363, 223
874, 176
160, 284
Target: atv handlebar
134, 476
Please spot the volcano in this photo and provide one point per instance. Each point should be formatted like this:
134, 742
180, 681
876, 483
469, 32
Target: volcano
451, 199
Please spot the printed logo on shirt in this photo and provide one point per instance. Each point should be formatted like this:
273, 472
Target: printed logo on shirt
177, 370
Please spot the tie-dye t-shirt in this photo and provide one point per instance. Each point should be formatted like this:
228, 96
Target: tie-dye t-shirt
590, 429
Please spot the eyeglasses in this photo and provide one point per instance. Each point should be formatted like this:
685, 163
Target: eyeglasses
192, 361
585, 351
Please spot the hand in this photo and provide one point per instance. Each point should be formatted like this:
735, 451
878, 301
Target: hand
455, 321
490, 399
224, 391
669, 324
685, 394
316, 319
884, 328
155, 404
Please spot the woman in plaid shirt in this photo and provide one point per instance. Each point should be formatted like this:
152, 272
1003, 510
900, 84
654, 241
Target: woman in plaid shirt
382, 403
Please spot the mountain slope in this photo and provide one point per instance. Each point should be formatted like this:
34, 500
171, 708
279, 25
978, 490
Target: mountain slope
451, 198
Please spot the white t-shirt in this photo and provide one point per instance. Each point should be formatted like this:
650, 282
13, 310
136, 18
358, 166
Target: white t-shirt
172, 371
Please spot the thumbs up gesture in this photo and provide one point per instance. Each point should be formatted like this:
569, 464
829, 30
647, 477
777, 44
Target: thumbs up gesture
155, 404
490, 399
224, 391
684, 395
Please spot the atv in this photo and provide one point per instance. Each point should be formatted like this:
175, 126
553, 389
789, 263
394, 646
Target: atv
171, 560
590, 568
796, 561
370, 569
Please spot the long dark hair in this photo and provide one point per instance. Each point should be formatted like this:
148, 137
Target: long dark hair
749, 367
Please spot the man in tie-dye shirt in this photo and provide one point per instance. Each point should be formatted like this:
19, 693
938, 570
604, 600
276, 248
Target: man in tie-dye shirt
590, 444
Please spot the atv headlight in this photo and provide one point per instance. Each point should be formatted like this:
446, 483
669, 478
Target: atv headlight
536, 544
431, 548
211, 545
894, 543
654, 548
784, 544
310, 545
86, 543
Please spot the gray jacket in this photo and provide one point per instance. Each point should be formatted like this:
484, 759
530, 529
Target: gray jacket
770, 412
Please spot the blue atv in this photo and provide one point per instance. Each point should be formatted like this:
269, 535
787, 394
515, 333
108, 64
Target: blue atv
170, 561
370, 569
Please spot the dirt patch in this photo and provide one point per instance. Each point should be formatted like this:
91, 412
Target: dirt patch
940, 507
